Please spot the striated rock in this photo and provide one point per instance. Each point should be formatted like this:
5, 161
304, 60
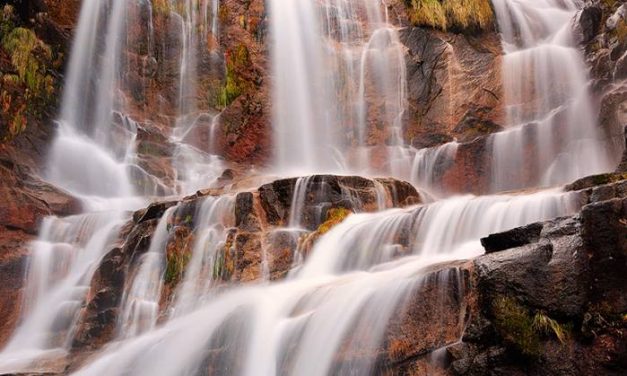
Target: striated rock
451, 79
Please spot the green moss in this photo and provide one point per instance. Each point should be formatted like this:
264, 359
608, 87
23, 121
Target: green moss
27, 53
460, 15
7, 23
514, 323
14, 114
175, 266
237, 61
163, 7
218, 266
524, 331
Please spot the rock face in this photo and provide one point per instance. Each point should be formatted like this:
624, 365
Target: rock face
454, 86
602, 26
567, 272
252, 234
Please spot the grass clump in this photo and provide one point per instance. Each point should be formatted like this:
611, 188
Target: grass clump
175, 266
27, 88
523, 330
545, 325
27, 53
515, 325
462, 15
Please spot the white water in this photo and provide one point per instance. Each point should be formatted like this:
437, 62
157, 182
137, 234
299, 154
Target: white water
89, 157
357, 275
552, 127
196, 168
214, 217
330, 50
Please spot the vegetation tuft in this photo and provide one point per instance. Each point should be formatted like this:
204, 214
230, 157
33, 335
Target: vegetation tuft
237, 60
460, 15
27, 88
176, 262
522, 330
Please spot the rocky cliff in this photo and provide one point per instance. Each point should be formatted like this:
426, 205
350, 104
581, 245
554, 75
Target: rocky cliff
545, 299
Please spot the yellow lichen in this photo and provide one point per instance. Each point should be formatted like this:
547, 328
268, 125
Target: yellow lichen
335, 216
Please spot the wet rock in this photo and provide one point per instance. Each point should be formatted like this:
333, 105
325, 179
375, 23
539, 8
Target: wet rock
245, 217
605, 235
620, 72
328, 191
14, 252
525, 272
513, 238
596, 181
415, 329
472, 127
153, 211
614, 20
590, 21
98, 319
470, 170
438, 99
227, 175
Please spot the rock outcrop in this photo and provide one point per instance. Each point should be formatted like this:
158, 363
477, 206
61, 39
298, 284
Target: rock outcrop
251, 239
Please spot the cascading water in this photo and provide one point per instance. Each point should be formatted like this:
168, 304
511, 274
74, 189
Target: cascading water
90, 157
552, 130
337, 65
337, 49
297, 326
196, 167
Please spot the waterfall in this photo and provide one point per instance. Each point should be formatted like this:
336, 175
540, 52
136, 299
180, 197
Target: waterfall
90, 157
196, 167
551, 123
359, 274
336, 49
339, 91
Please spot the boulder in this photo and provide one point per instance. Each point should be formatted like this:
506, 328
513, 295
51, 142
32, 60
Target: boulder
513, 238
328, 191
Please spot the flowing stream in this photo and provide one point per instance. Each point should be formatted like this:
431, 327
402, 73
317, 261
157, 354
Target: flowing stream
339, 96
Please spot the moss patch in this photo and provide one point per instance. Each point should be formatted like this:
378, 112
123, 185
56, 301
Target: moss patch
335, 216
459, 15
237, 61
514, 323
524, 331
175, 267
27, 88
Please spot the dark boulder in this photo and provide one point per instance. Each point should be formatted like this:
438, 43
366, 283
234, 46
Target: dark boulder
513, 238
590, 22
